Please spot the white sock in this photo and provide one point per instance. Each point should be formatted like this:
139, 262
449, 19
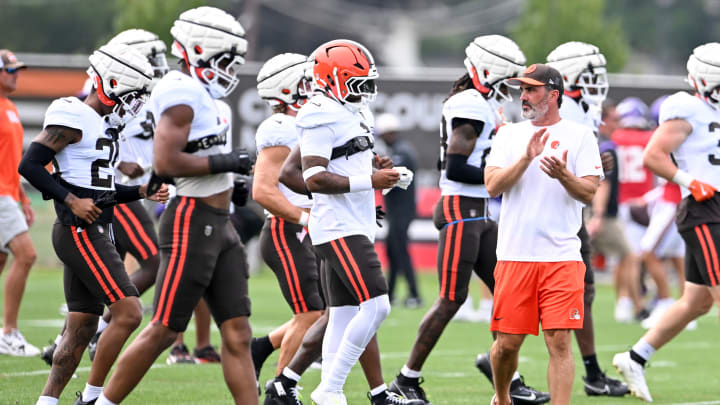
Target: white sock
346, 357
516, 376
104, 401
101, 325
377, 390
44, 400
58, 339
644, 349
91, 392
407, 372
291, 374
338, 321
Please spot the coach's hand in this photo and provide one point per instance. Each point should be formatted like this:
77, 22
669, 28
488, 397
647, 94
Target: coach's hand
536, 144
701, 191
554, 167
385, 178
83, 208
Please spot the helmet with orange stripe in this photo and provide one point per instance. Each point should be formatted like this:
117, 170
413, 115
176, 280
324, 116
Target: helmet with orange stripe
583, 68
345, 70
704, 72
148, 44
122, 77
212, 44
285, 79
490, 61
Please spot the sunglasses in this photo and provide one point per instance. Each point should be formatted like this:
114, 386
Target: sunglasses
11, 70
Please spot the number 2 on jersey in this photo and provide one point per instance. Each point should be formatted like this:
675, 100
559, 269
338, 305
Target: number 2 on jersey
108, 163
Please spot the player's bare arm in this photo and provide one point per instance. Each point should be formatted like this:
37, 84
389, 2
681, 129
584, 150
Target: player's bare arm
291, 172
462, 141
331, 183
265, 187
461, 146
171, 136
666, 138
498, 180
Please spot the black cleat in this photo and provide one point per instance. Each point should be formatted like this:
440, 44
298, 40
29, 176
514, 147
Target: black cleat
391, 398
79, 400
179, 354
605, 385
521, 394
48, 352
409, 388
205, 355
92, 346
277, 393
482, 362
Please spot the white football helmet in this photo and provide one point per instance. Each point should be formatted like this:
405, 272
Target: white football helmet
704, 72
490, 61
149, 45
285, 78
212, 43
122, 77
584, 70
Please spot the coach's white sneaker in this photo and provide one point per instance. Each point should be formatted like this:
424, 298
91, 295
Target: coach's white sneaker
634, 375
14, 344
328, 398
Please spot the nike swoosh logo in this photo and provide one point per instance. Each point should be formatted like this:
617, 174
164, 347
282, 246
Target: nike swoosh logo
604, 390
499, 319
530, 397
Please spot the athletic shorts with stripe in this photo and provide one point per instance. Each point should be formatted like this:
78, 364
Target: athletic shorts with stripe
93, 272
287, 249
201, 256
467, 243
353, 272
134, 231
702, 244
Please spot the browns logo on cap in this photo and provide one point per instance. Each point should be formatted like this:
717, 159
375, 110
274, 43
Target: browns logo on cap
539, 74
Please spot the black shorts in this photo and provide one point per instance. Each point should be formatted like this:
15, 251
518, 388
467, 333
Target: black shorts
467, 243
701, 254
353, 272
134, 231
93, 272
200, 256
294, 263
585, 250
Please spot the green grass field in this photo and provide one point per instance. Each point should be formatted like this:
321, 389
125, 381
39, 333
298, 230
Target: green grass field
684, 372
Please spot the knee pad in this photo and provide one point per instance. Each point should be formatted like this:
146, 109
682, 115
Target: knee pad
378, 306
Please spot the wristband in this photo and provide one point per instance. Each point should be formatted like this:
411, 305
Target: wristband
683, 178
304, 217
360, 183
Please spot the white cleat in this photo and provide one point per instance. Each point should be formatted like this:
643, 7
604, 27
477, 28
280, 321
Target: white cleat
328, 398
634, 375
14, 344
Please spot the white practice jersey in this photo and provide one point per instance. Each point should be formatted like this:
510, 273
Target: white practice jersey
468, 104
136, 146
279, 130
324, 124
226, 117
88, 163
208, 132
699, 154
578, 112
539, 220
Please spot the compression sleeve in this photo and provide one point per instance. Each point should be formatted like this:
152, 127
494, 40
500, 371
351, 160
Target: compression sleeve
458, 169
125, 194
32, 167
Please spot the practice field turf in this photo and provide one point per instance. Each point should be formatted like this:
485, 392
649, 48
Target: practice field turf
684, 372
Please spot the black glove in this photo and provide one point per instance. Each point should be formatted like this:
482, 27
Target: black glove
240, 193
237, 161
379, 215
105, 200
156, 182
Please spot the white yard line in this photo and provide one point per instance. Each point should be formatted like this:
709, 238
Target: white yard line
47, 371
697, 403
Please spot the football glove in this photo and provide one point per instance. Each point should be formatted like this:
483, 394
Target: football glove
701, 191
237, 161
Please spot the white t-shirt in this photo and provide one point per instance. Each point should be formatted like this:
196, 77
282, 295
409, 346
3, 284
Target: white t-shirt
324, 124
699, 154
539, 220
90, 162
469, 104
279, 130
207, 128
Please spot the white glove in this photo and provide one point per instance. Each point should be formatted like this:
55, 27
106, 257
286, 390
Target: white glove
406, 177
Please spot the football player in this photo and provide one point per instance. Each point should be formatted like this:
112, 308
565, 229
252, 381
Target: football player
689, 130
80, 138
284, 82
582, 67
468, 237
201, 254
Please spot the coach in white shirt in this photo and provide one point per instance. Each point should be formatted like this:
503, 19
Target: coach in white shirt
539, 274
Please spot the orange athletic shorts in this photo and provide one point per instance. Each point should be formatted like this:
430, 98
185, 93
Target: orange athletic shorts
530, 292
